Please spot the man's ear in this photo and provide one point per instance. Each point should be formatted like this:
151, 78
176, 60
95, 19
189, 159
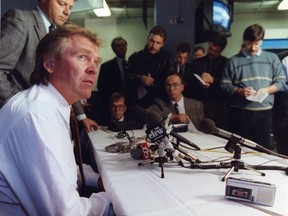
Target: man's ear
49, 64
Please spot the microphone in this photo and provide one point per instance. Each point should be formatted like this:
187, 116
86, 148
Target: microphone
207, 126
187, 155
153, 118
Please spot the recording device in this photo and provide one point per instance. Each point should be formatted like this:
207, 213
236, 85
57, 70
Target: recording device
180, 128
250, 191
121, 126
123, 147
208, 126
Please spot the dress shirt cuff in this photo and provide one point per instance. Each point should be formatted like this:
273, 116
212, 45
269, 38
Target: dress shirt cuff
81, 117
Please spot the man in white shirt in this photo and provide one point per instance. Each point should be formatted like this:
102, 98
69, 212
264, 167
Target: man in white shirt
38, 172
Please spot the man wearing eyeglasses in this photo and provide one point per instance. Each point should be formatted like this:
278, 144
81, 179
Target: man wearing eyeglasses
184, 110
252, 72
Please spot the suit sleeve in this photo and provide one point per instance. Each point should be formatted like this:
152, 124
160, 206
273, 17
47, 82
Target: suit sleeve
13, 39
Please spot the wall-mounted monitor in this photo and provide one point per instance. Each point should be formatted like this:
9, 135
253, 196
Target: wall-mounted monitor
213, 16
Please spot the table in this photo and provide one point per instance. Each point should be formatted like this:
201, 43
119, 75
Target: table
139, 191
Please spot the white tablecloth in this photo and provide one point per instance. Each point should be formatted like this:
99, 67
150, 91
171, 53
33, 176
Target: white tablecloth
139, 190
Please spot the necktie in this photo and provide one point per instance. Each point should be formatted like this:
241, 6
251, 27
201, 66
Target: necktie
77, 150
51, 27
176, 110
124, 70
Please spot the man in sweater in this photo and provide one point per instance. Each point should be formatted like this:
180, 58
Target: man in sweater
249, 73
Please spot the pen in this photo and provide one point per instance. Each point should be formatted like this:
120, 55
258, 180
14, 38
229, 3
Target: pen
242, 85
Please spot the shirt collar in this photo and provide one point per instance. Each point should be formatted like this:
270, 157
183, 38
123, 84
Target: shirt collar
45, 19
180, 102
247, 54
58, 100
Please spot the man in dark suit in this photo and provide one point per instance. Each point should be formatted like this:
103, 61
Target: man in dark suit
182, 59
21, 32
184, 110
209, 68
112, 75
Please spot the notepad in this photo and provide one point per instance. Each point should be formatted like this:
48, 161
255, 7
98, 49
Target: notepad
200, 79
257, 97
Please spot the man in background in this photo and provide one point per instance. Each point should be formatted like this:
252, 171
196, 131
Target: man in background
198, 52
148, 69
21, 32
210, 69
281, 115
113, 73
182, 59
250, 72
38, 171
184, 110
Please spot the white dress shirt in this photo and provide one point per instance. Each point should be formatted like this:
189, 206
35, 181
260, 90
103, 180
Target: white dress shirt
38, 173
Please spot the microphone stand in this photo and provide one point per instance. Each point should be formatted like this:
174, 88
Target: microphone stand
236, 163
161, 160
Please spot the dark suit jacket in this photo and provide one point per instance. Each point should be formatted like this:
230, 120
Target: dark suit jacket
110, 80
193, 108
21, 33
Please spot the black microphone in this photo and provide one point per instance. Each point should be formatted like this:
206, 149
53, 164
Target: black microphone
153, 118
208, 126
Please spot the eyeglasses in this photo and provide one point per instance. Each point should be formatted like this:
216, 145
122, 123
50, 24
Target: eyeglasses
120, 107
249, 44
173, 86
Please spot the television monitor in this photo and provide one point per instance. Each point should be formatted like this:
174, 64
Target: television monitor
213, 16
221, 17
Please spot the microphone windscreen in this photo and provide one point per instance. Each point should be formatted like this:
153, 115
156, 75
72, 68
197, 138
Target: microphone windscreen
153, 118
136, 153
207, 126
138, 113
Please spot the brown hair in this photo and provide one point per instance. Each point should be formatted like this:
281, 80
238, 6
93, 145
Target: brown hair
254, 33
53, 45
158, 30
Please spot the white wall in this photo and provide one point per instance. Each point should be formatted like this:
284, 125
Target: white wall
133, 30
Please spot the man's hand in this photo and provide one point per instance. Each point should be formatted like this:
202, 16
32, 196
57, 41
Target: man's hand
180, 118
147, 80
207, 78
89, 125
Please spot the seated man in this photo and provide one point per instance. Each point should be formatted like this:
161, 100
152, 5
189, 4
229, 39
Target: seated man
185, 110
119, 117
38, 171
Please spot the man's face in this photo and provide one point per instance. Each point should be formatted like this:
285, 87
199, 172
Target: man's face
174, 87
214, 51
155, 43
74, 73
117, 109
120, 48
57, 11
198, 54
252, 47
182, 58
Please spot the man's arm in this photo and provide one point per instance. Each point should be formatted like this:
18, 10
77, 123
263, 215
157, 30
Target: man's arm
12, 42
88, 123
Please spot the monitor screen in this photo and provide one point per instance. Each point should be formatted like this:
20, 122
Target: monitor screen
221, 16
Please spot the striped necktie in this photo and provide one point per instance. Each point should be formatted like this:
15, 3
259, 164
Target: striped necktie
77, 150
176, 110
51, 28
